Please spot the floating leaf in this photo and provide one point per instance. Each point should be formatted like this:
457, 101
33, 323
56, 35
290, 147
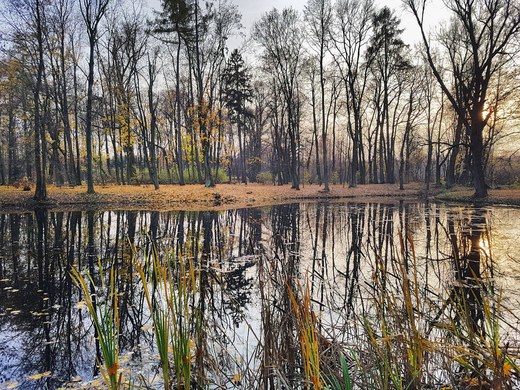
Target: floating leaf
9, 385
39, 376
80, 305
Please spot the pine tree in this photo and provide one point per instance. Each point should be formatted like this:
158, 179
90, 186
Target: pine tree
236, 93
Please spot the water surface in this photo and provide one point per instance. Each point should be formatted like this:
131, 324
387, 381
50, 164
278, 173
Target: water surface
346, 253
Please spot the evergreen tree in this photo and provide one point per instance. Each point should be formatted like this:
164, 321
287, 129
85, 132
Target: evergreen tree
387, 58
237, 92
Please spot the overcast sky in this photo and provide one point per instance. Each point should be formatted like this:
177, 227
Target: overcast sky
252, 10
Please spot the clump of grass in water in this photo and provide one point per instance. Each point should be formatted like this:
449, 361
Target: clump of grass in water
106, 322
481, 354
161, 322
306, 323
171, 315
400, 342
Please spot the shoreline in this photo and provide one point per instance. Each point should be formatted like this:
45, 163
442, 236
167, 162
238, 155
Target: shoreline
196, 197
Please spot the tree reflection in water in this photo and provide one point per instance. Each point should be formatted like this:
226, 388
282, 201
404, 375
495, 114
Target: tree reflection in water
360, 260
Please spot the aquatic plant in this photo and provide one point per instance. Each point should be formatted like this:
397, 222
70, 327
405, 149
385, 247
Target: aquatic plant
161, 322
169, 305
106, 321
308, 336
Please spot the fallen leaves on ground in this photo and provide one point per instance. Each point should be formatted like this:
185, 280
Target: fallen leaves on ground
199, 197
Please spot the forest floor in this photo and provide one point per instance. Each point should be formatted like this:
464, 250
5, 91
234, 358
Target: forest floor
198, 197
228, 196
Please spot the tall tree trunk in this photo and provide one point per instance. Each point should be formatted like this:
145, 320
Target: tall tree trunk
315, 131
11, 145
76, 126
323, 115
180, 161
450, 171
205, 138
69, 157
88, 116
153, 126
477, 152
39, 162
241, 148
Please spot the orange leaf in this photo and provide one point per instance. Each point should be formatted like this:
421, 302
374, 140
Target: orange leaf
112, 370
507, 369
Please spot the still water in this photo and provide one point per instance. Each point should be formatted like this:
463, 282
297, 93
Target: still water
354, 259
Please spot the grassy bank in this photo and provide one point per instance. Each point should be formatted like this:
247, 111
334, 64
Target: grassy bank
502, 195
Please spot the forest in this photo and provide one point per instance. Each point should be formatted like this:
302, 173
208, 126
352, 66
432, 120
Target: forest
114, 92
363, 233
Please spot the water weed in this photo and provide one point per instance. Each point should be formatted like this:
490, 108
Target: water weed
106, 322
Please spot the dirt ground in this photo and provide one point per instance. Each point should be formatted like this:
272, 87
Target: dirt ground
197, 197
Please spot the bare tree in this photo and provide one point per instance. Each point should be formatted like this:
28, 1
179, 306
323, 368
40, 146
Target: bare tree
318, 15
61, 29
484, 32
39, 132
351, 36
92, 12
387, 59
280, 35
26, 22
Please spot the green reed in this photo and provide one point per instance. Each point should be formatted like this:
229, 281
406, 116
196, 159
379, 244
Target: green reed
106, 322
169, 305
160, 318
343, 383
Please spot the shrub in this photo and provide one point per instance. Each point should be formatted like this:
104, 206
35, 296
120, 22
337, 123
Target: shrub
265, 177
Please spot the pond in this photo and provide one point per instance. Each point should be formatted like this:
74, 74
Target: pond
380, 295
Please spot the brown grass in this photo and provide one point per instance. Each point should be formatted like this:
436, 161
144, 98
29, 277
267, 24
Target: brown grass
198, 197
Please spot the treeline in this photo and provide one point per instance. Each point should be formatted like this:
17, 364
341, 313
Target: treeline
100, 91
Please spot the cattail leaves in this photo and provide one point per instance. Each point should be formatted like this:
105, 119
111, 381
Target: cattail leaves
105, 317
